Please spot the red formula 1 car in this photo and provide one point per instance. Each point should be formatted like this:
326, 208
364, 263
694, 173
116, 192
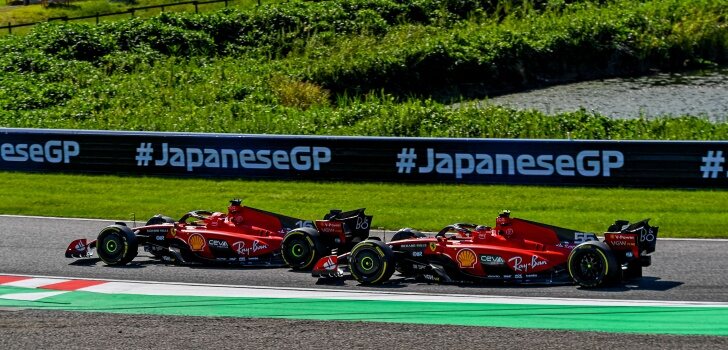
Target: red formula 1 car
516, 250
243, 236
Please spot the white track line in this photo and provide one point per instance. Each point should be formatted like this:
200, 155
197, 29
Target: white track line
30, 296
233, 291
35, 282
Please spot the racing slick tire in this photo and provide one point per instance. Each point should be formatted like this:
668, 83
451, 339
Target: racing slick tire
592, 264
404, 267
159, 219
117, 245
301, 248
371, 262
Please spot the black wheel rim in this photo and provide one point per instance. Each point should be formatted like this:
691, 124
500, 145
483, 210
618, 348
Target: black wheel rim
111, 247
591, 267
298, 251
368, 262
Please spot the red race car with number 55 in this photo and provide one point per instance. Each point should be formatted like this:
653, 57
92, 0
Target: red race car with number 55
516, 250
243, 236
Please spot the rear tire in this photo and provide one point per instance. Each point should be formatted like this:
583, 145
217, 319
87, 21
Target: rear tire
371, 262
117, 245
592, 264
301, 248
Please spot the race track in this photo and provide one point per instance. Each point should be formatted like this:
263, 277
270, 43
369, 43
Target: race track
683, 270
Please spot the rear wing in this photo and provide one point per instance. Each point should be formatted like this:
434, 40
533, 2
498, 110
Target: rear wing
639, 236
354, 222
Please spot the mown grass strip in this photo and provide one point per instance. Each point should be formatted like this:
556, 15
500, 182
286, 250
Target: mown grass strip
679, 213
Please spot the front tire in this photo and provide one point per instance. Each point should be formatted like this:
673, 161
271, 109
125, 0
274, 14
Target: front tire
592, 264
117, 245
301, 248
371, 262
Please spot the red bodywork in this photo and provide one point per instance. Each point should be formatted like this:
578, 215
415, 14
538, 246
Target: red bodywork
243, 235
514, 250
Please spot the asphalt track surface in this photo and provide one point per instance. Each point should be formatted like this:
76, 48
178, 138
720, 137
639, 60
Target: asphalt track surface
691, 270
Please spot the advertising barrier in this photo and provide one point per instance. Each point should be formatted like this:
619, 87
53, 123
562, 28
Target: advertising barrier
683, 164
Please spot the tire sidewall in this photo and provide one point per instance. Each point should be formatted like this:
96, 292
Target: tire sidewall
304, 238
124, 245
605, 256
375, 249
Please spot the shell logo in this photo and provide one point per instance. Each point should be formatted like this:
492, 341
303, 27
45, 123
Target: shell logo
196, 241
466, 258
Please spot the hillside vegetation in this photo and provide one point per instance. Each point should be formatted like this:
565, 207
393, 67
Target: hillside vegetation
358, 67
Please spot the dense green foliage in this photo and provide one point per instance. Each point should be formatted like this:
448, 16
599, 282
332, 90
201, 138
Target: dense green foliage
357, 67
678, 213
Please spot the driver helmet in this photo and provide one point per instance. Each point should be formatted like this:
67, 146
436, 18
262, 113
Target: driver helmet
235, 211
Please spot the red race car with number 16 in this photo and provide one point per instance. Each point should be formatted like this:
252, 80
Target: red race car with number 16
516, 250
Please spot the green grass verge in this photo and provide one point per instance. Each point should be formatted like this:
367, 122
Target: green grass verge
679, 213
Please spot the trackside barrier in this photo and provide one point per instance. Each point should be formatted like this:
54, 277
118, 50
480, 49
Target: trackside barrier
682, 164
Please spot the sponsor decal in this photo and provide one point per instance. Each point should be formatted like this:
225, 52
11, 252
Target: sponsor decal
362, 223
196, 242
416, 254
80, 247
173, 232
158, 230
492, 260
466, 258
330, 226
159, 238
217, 243
517, 264
531, 275
620, 240
242, 249
416, 246
329, 264
493, 276
566, 245
647, 236
433, 246
430, 277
